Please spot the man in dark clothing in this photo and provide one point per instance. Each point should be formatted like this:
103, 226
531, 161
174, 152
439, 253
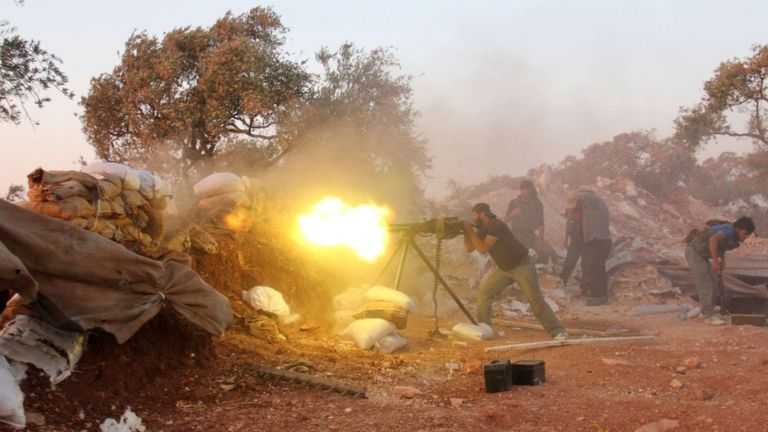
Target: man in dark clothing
511, 259
597, 247
525, 217
708, 244
574, 237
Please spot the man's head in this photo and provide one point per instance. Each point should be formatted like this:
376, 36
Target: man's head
482, 215
744, 227
527, 189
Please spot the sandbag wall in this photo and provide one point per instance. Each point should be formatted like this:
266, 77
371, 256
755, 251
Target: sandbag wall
109, 199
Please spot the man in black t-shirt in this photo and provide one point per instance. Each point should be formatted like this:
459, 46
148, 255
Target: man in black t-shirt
511, 257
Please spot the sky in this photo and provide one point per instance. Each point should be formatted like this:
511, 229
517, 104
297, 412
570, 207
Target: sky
502, 86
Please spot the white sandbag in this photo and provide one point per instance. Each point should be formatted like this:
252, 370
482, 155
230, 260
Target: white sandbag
344, 317
366, 332
125, 173
390, 343
146, 184
11, 397
381, 293
474, 332
227, 200
351, 299
267, 299
162, 189
217, 184
129, 422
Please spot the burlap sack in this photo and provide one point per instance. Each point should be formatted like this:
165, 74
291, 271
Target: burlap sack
67, 189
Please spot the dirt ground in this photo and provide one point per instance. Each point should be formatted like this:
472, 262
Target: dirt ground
185, 385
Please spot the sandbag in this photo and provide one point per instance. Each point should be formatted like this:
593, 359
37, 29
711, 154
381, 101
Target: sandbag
202, 242
35, 194
366, 332
160, 203
381, 293
155, 226
130, 180
109, 185
227, 200
70, 188
118, 206
390, 343
133, 198
102, 208
217, 184
474, 332
12, 399
146, 184
349, 300
70, 208
267, 299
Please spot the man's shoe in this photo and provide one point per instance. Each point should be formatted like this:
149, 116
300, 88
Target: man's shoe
715, 320
596, 301
562, 336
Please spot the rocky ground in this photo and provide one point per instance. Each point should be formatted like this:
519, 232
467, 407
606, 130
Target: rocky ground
699, 376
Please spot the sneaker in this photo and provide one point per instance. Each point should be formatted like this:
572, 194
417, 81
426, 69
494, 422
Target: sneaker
596, 301
715, 320
562, 336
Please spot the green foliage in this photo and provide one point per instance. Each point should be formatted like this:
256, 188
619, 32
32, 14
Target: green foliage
15, 193
27, 72
736, 93
176, 104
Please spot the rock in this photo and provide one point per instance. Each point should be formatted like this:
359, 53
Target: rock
675, 384
704, 394
309, 326
456, 402
35, 418
692, 363
616, 362
406, 392
227, 387
473, 368
681, 370
659, 426
452, 366
693, 313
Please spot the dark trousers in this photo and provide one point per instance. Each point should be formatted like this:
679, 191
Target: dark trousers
575, 248
594, 280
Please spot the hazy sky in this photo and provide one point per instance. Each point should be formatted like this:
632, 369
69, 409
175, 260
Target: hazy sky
502, 86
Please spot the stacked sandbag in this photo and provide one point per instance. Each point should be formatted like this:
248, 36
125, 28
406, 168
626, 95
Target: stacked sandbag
225, 196
107, 198
371, 316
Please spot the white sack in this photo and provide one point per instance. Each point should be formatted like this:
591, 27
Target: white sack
390, 343
267, 299
129, 422
389, 295
344, 317
11, 397
131, 180
146, 184
366, 332
349, 300
217, 184
474, 332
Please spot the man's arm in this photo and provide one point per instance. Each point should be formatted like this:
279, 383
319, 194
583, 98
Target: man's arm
713, 253
473, 242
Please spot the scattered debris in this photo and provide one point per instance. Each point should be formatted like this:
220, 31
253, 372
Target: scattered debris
129, 422
309, 380
616, 362
12, 401
676, 384
473, 332
456, 402
692, 363
662, 425
655, 309
406, 392
549, 344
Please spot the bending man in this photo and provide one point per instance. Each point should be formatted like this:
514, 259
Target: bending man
512, 266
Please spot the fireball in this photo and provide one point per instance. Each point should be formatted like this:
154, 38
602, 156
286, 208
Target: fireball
332, 222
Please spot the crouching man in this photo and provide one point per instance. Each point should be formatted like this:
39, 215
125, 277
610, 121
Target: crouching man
711, 244
512, 266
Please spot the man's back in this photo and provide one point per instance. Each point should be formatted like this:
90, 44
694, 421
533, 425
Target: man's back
595, 220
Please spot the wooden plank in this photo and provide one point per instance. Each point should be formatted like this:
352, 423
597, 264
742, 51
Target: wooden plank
572, 331
568, 342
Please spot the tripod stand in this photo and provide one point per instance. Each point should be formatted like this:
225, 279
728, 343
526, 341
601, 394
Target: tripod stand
407, 241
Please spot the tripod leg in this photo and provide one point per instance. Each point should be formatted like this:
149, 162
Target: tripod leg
442, 281
399, 275
401, 243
